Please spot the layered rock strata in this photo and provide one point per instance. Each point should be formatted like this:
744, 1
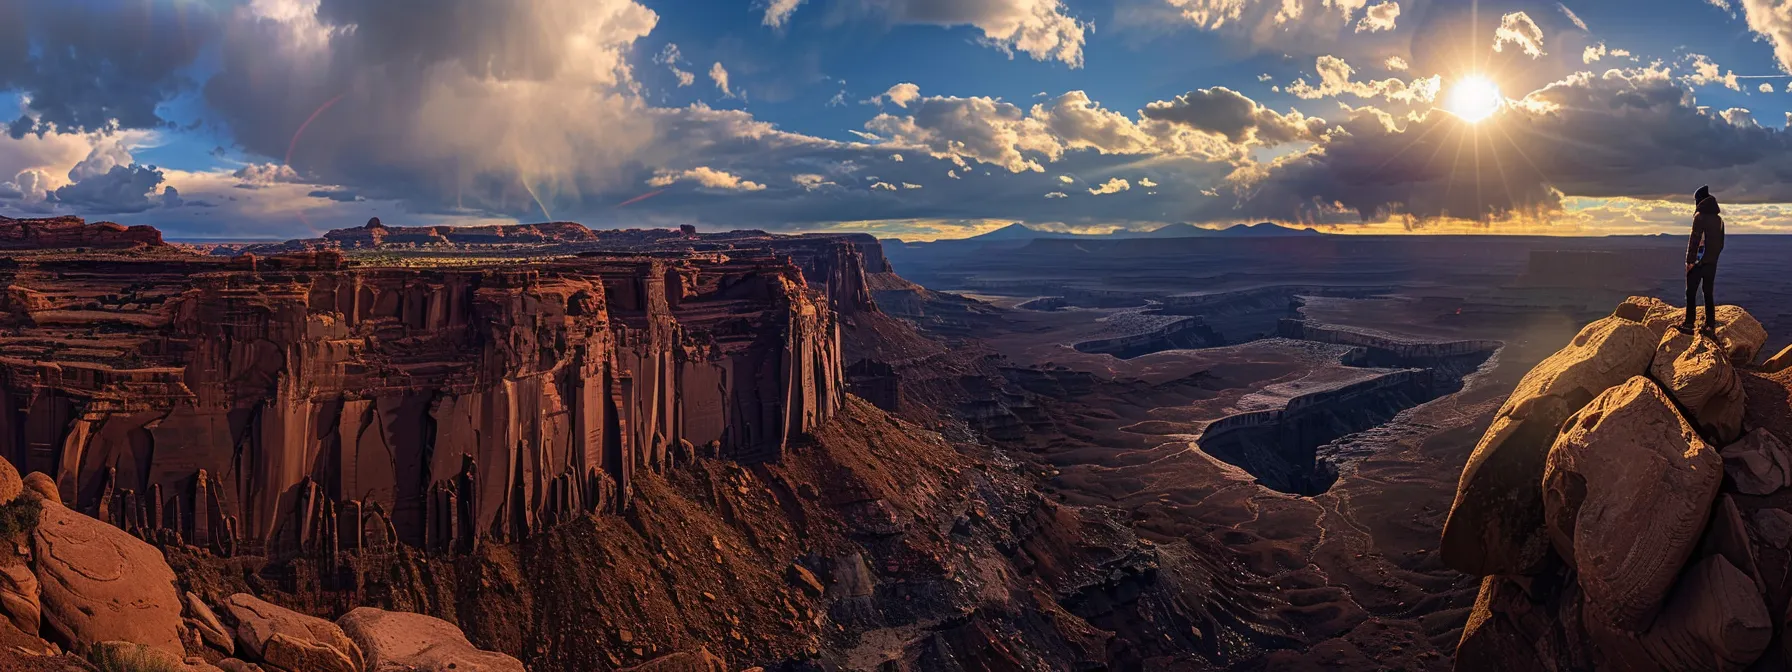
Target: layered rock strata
301, 404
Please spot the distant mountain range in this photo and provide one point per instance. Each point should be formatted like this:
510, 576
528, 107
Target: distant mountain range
1183, 230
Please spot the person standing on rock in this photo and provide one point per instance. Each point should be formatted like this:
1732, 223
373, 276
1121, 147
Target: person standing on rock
1702, 251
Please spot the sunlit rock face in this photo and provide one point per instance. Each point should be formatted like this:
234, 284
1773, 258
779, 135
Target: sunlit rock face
298, 404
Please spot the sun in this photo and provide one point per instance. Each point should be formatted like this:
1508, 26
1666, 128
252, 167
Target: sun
1474, 98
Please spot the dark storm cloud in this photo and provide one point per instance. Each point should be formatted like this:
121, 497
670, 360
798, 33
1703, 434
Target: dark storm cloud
1635, 133
122, 189
1231, 114
91, 65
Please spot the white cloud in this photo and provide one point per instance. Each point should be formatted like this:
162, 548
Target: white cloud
886, 186
1060, 194
706, 177
896, 157
719, 75
910, 185
1335, 78
1520, 31
1396, 63
1593, 53
953, 174
670, 58
777, 12
1766, 87
899, 95
1038, 28
1380, 17
1112, 186
1572, 17
1772, 20
1705, 71
1147, 183
1065, 179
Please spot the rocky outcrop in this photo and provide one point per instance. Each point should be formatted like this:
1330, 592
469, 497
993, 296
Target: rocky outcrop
302, 405
1628, 549
291, 641
1495, 525
1652, 564
74, 232
396, 641
101, 584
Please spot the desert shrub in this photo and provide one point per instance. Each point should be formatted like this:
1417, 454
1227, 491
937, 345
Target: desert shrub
132, 658
19, 518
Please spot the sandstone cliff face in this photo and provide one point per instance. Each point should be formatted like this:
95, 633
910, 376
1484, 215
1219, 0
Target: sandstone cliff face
300, 405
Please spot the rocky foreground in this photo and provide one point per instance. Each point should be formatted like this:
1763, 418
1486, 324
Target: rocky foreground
1629, 506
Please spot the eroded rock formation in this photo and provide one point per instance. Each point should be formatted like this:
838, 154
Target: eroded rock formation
304, 405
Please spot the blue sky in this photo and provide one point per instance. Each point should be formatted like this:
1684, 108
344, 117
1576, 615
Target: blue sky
254, 119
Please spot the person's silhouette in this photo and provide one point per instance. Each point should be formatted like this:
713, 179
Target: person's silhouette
1702, 251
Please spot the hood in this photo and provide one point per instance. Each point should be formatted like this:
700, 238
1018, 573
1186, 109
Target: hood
1709, 206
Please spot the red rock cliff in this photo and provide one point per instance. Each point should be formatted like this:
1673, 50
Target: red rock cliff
304, 405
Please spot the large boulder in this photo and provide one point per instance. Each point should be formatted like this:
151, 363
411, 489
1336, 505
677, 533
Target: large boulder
1715, 620
1495, 525
1740, 334
1627, 490
287, 640
397, 641
1759, 463
98, 583
1695, 371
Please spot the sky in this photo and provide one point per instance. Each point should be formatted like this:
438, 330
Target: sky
914, 119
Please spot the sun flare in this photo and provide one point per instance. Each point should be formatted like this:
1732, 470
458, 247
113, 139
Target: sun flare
1474, 98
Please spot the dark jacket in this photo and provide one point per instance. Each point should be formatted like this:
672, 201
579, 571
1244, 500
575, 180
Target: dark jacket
1707, 232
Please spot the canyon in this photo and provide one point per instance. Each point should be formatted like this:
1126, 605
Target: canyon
552, 447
